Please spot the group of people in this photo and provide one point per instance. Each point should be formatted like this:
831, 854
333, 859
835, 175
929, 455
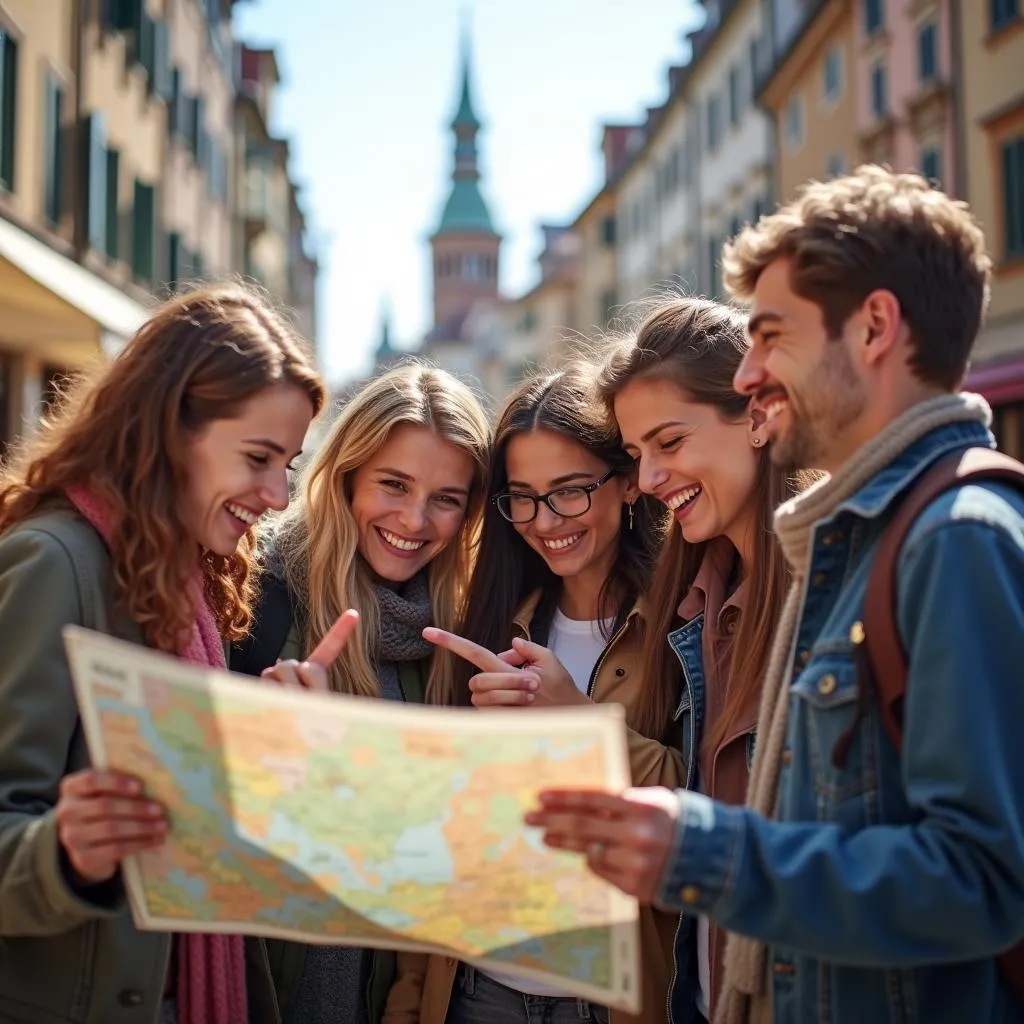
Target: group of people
683, 525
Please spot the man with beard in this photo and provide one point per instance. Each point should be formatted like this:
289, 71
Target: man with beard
877, 873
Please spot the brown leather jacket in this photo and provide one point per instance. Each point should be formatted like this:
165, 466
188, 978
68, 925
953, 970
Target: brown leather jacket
423, 988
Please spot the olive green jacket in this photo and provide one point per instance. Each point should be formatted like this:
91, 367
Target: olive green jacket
67, 956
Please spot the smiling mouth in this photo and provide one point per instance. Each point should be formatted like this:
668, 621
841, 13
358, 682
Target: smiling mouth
399, 544
684, 498
242, 514
561, 543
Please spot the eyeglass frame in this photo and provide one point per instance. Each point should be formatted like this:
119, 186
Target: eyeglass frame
588, 490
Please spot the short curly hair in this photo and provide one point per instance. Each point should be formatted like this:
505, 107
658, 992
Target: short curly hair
874, 229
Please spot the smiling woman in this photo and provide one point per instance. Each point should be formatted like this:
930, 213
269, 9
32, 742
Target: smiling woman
385, 522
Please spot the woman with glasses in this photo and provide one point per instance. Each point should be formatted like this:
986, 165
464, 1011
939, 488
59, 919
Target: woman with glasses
565, 555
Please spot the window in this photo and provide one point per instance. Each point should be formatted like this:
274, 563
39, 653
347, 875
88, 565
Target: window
96, 178
931, 164
879, 89
795, 122
8, 106
608, 230
735, 227
1013, 197
927, 51
835, 166
714, 130
758, 210
1003, 12
161, 80
714, 268
609, 300
145, 46
833, 77
754, 59
53, 136
874, 15
196, 128
143, 231
112, 231
176, 259
735, 99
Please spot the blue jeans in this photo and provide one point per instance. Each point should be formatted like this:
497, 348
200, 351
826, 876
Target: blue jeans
478, 999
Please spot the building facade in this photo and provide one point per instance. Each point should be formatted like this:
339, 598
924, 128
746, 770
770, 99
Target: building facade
117, 143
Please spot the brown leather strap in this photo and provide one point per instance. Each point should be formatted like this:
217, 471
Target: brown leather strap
885, 657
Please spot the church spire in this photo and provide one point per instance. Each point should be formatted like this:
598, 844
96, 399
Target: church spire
385, 349
465, 209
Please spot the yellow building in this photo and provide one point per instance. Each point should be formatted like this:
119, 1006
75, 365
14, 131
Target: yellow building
992, 41
810, 92
61, 305
117, 132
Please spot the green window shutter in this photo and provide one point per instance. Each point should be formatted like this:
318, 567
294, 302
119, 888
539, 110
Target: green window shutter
163, 85
95, 141
113, 230
127, 14
1013, 197
143, 232
53, 140
198, 128
145, 50
175, 263
8, 107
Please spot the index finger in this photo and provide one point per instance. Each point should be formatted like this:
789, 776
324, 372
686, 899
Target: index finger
484, 659
588, 801
100, 780
335, 639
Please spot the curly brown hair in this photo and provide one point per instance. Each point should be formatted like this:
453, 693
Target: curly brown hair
120, 430
870, 230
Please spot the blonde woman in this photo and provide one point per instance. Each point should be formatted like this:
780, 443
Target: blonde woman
386, 522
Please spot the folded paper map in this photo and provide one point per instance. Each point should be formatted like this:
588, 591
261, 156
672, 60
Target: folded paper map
349, 821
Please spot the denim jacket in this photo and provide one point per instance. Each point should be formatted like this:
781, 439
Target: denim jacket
886, 887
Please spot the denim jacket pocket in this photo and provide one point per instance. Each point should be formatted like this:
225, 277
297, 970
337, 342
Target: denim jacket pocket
683, 715
827, 712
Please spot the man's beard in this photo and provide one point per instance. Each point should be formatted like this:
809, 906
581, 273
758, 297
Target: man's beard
831, 400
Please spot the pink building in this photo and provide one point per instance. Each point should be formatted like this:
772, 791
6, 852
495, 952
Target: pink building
904, 59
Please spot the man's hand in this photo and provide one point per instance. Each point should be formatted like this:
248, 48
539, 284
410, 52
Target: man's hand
626, 839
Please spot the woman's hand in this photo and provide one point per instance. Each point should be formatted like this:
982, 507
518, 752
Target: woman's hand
311, 674
102, 817
527, 676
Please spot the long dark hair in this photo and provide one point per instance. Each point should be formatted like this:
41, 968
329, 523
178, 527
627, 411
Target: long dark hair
508, 570
698, 346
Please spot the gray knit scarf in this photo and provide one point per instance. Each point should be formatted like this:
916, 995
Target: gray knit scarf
745, 996
403, 617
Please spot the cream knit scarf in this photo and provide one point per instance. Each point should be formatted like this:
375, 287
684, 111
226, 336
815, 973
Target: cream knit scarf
745, 996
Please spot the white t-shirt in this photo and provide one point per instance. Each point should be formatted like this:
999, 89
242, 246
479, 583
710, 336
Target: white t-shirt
577, 645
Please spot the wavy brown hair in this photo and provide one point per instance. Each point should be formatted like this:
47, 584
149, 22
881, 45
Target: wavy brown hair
121, 431
698, 345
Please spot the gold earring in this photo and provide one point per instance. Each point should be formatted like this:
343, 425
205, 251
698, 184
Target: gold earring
756, 441
630, 507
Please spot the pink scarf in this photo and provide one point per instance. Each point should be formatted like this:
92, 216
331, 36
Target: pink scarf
211, 968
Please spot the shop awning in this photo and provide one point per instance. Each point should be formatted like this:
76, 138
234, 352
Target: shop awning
999, 383
85, 296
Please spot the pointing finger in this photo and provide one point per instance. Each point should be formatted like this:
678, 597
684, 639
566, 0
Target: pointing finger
335, 639
484, 659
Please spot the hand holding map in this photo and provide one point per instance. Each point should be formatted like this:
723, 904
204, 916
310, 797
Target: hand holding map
311, 674
347, 821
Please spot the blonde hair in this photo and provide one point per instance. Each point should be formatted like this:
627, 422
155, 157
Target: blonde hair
317, 538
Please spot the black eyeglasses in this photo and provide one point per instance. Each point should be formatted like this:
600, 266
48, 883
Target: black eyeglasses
565, 502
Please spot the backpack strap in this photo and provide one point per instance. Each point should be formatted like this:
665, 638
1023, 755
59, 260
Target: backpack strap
885, 660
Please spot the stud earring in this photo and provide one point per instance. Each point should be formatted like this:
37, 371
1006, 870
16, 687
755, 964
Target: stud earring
756, 441
630, 507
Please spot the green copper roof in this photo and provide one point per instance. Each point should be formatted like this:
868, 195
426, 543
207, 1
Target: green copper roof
465, 115
385, 348
465, 210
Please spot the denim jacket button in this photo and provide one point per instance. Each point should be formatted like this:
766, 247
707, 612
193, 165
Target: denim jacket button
689, 894
787, 756
803, 657
818, 579
826, 684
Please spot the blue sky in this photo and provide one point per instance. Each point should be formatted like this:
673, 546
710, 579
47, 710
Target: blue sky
369, 88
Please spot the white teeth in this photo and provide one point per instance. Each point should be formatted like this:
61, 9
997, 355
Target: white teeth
683, 497
561, 542
400, 542
773, 410
240, 512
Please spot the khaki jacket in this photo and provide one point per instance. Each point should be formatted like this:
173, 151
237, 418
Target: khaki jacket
66, 956
423, 988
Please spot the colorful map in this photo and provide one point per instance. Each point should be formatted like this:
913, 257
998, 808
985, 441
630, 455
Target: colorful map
349, 821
